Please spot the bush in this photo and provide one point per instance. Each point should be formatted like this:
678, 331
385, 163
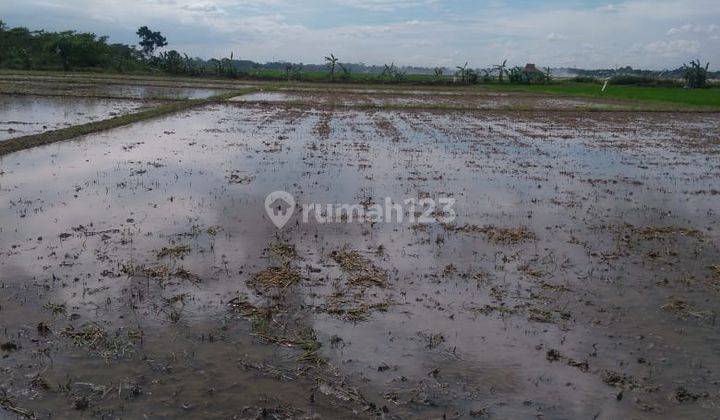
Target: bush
633, 80
518, 76
585, 79
695, 74
472, 77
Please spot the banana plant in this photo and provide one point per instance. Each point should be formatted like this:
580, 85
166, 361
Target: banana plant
501, 69
695, 74
462, 72
332, 62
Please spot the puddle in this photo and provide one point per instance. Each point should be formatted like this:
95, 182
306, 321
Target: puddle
575, 282
24, 115
267, 97
115, 90
161, 92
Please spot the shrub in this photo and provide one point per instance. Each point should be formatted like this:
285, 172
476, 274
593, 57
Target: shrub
695, 74
634, 80
519, 76
585, 79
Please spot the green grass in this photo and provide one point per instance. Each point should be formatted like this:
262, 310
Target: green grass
34, 140
698, 98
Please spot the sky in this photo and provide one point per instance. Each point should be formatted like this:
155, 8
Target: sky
651, 34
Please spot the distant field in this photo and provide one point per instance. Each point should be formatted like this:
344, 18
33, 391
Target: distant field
645, 98
693, 98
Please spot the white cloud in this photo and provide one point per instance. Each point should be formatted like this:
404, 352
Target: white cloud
386, 5
207, 7
670, 48
711, 31
413, 32
608, 8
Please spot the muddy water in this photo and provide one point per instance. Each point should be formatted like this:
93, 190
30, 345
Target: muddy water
267, 97
24, 115
479, 99
156, 92
578, 280
115, 90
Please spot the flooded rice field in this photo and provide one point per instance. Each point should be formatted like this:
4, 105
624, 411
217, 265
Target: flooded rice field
22, 115
163, 92
114, 90
481, 99
140, 274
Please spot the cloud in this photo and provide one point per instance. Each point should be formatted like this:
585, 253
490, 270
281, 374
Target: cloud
678, 47
202, 7
608, 8
641, 33
386, 5
711, 31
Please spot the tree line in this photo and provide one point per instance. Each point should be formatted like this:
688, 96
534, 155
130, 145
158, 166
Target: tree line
21, 48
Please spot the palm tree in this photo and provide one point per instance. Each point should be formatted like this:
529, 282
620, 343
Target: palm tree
501, 70
332, 62
462, 71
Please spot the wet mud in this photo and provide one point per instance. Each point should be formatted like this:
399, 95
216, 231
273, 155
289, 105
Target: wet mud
141, 275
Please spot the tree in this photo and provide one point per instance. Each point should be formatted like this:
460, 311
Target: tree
288, 70
471, 76
21, 48
500, 69
515, 75
150, 40
332, 62
695, 74
172, 62
467, 75
392, 73
462, 71
81, 50
486, 75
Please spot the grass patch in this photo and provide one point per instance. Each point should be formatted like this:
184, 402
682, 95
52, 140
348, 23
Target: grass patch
34, 140
280, 277
706, 99
496, 234
178, 251
361, 271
